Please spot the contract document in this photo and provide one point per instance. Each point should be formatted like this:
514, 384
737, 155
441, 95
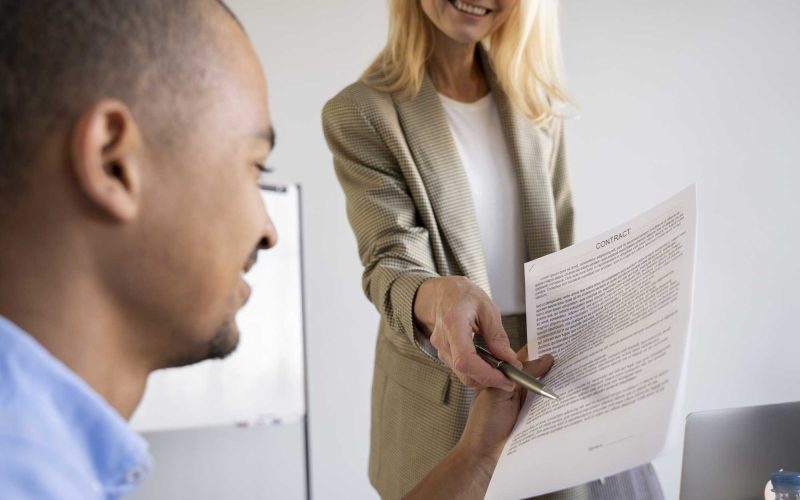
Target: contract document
614, 311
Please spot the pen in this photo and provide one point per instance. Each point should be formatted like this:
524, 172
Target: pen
514, 374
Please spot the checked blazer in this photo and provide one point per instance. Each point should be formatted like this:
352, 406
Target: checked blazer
409, 204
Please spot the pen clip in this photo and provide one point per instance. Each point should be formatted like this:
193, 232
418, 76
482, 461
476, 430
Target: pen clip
487, 356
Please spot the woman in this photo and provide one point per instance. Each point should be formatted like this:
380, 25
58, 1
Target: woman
451, 157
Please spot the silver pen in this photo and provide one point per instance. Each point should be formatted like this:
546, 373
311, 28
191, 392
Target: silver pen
516, 375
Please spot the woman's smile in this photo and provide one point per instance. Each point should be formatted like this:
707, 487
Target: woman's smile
469, 9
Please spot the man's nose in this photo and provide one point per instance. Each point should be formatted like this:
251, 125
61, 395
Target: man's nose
269, 236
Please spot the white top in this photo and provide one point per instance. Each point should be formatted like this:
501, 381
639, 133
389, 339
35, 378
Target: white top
487, 162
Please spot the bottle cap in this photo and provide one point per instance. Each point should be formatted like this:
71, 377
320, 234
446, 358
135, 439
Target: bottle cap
786, 480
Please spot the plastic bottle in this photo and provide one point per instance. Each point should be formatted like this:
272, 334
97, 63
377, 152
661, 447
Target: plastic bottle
786, 485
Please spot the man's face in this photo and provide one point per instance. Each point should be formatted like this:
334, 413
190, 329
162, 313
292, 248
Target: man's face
203, 215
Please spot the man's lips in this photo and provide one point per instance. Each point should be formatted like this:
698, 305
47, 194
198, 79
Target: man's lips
246, 291
244, 285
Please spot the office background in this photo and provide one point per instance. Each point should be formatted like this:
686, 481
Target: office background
669, 93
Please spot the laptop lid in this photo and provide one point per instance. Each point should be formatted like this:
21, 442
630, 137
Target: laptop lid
730, 454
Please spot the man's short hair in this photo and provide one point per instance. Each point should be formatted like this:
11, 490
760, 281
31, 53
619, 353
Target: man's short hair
57, 57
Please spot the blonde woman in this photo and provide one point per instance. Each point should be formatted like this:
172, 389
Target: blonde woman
451, 155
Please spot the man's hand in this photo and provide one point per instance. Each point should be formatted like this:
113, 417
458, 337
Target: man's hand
465, 472
494, 412
450, 310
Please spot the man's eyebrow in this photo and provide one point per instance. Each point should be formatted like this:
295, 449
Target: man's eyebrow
267, 135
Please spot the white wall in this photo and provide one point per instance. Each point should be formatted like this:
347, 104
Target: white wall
670, 93
311, 49
685, 90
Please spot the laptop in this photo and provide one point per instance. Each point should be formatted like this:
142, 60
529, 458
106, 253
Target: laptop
730, 454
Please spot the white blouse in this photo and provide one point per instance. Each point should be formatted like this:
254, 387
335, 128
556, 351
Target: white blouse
481, 144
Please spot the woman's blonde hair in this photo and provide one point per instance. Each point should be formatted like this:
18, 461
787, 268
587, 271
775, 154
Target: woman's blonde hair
525, 53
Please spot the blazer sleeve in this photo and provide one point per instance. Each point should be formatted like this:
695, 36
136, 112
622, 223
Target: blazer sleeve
394, 250
562, 188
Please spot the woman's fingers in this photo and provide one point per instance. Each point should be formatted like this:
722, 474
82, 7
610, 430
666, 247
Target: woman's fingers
466, 362
476, 373
465, 373
460, 308
443, 351
442, 346
494, 334
473, 366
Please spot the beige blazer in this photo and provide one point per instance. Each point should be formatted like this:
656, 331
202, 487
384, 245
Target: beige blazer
410, 207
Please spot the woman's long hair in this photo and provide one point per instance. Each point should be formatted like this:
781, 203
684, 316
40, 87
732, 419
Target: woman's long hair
525, 53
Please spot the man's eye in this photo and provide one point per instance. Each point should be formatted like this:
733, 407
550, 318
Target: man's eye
263, 172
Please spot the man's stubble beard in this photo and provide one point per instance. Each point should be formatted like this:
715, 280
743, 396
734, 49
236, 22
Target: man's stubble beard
224, 341
219, 346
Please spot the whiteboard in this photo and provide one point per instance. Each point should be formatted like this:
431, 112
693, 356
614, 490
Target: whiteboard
263, 381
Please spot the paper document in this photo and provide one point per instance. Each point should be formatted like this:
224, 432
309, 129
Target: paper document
614, 312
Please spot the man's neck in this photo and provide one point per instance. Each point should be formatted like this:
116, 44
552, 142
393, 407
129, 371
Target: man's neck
65, 313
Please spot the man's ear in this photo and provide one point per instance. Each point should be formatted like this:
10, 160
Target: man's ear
106, 153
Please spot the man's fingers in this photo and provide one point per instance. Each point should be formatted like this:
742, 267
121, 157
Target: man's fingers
522, 354
539, 367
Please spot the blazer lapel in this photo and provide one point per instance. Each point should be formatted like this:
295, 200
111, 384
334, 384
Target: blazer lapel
530, 148
430, 140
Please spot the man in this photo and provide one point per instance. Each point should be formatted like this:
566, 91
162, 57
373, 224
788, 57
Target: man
132, 135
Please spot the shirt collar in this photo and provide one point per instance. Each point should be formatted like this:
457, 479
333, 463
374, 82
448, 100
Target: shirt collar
117, 455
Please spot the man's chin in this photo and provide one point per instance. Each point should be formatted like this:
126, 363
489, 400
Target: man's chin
220, 346
224, 342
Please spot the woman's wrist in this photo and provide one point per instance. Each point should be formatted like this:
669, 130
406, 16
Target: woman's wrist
428, 298
424, 309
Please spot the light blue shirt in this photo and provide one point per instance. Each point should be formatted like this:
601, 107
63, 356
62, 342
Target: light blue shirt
58, 437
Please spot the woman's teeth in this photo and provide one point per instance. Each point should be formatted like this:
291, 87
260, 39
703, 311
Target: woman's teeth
469, 9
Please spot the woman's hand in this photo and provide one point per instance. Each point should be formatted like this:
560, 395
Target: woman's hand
450, 310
